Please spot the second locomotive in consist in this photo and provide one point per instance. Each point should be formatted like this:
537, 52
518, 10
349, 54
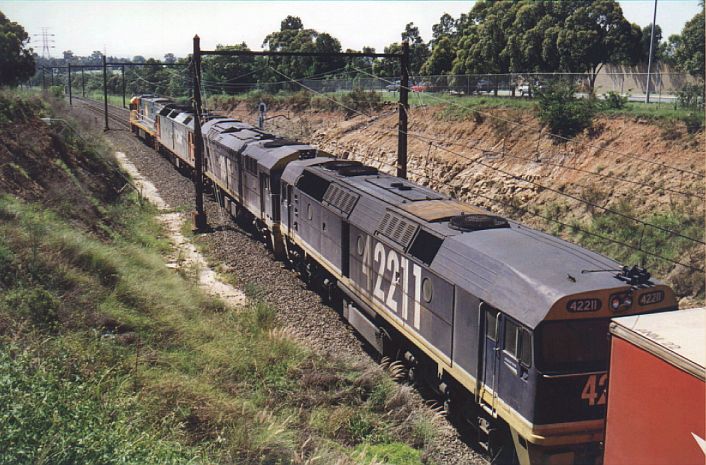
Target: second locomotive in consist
507, 324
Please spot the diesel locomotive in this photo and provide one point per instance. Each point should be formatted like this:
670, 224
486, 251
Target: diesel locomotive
507, 324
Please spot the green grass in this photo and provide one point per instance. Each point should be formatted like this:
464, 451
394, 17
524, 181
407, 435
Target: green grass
660, 111
116, 100
108, 356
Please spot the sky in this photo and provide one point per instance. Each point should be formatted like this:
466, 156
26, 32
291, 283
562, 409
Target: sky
151, 29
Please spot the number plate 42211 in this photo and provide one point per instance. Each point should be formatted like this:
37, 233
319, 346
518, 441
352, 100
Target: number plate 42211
583, 305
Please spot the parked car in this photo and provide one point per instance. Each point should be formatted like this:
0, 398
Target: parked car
422, 87
483, 85
529, 89
393, 87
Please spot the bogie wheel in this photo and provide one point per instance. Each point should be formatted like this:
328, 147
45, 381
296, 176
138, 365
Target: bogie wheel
502, 449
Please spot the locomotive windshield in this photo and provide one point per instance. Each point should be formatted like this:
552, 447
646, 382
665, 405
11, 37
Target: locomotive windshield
573, 346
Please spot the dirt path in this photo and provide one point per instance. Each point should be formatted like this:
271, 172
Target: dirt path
184, 256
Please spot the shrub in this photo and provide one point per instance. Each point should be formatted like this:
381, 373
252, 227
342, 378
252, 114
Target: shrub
359, 100
565, 114
694, 122
614, 101
34, 304
690, 96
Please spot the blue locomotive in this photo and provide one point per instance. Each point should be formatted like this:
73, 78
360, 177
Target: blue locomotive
507, 324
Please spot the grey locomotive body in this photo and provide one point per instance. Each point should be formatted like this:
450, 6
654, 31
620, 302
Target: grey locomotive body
506, 323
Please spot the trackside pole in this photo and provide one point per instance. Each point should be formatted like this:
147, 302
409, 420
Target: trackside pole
105, 93
403, 109
122, 71
71, 101
199, 216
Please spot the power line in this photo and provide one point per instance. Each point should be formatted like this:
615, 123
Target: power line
605, 238
47, 42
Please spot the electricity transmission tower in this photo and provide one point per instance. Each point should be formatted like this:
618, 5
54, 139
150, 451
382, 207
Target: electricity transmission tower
47, 42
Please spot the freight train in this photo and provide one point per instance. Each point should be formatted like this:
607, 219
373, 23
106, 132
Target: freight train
507, 324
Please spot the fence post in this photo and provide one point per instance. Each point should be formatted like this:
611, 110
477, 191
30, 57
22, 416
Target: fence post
83, 84
199, 216
44, 82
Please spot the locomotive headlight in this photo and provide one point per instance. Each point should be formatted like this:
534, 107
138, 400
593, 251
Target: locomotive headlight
615, 303
620, 302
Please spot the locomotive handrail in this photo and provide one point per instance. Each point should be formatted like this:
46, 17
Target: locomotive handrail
569, 375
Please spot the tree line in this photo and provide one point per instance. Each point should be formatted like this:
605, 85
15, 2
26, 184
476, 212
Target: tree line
500, 37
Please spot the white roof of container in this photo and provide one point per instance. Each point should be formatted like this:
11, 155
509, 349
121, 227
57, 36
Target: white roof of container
677, 337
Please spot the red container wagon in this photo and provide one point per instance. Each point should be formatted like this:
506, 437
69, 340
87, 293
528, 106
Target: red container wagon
656, 409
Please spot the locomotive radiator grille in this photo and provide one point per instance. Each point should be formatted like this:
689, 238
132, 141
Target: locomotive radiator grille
397, 228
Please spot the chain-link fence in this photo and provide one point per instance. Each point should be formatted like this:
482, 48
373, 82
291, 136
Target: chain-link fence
664, 87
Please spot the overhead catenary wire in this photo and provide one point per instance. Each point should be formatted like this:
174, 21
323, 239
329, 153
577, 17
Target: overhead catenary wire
539, 185
521, 179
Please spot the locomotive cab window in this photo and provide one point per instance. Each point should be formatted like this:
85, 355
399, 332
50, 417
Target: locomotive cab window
313, 185
491, 325
518, 343
573, 345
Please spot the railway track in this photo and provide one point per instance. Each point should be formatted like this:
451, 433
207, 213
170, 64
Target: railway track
116, 115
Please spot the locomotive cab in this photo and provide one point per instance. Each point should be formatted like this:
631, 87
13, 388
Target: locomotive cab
563, 362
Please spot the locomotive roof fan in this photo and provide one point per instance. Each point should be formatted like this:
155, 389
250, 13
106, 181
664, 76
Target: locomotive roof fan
357, 170
476, 222
337, 165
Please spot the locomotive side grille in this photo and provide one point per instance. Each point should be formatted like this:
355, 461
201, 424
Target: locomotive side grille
397, 228
340, 198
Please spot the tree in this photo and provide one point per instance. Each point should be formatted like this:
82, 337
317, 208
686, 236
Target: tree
418, 50
96, 58
228, 75
482, 49
441, 59
169, 58
594, 34
689, 48
293, 37
645, 34
446, 27
390, 67
68, 56
16, 61
137, 59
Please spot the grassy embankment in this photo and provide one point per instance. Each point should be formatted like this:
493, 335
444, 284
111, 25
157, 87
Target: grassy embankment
456, 106
108, 356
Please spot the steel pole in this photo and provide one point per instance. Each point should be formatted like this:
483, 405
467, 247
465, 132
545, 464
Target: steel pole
44, 81
83, 84
52, 76
71, 101
105, 93
403, 109
649, 60
122, 71
199, 216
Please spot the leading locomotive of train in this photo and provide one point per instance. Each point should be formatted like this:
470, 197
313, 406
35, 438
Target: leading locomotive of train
507, 324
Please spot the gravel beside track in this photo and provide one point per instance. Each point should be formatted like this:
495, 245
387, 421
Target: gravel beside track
298, 308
